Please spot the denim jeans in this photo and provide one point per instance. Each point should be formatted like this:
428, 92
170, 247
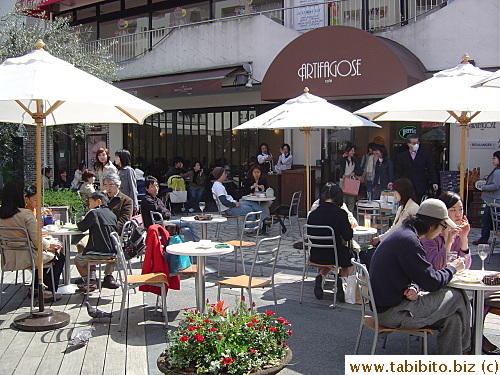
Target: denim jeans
187, 229
195, 198
486, 225
245, 208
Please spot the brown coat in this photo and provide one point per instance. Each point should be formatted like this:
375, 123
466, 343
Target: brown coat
18, 260
123, 207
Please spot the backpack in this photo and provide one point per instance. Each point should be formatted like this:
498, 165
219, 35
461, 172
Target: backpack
136, 242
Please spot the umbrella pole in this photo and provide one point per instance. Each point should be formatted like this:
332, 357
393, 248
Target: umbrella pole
43, 319
463, 126
308, 174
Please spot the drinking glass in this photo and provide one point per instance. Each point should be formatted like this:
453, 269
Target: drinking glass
483, 250
202, 207
57, 219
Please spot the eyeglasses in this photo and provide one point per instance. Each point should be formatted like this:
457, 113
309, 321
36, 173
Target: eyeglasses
444, 226
154, 186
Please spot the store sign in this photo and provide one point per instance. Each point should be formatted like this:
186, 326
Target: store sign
483, 125
403, 132
482, 144
329, 69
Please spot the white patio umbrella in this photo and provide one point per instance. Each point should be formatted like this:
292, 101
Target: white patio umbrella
492, 80
42, 90
447, 97
306, 112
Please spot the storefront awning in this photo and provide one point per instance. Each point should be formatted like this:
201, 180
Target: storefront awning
175, 84
45, 3
341, 62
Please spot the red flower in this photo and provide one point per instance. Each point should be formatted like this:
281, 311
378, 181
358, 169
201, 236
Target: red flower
213, 329
290, 332
253, 351
254, 320
281, 320
272, 329
199, 338
269, 313
183, 338
206, 320
242, 298
284, 344
254, 304
191, 328
220, 337
249, 325
190, 320
227, 361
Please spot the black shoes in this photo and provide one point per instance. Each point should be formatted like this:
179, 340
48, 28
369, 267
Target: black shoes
340, 290
318, 286
109, 282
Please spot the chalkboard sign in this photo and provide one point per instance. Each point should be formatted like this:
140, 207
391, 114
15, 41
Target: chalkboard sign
450, 181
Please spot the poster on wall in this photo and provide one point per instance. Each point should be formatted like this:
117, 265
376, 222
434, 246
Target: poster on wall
94, 143
308, 17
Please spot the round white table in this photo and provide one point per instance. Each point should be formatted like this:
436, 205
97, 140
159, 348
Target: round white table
478, 289
65, 234
364, 231
204, 223
259, 200
196, 249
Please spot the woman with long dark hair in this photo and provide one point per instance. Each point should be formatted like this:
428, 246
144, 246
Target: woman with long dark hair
123, 161
13, 214
349, 168
384, 171
197, 180
264, 158
406, 197
329, 213
103, 165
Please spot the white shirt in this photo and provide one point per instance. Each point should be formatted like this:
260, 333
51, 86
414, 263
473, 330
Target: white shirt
261, 158
217, 190
285, 162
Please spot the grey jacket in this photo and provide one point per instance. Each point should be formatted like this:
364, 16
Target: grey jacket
491, 190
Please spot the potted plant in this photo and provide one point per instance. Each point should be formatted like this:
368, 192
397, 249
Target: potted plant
223, 341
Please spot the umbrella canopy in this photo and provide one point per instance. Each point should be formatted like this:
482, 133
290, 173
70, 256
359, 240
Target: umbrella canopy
491, 81
81, 97
446, 97
40, 89
306, 112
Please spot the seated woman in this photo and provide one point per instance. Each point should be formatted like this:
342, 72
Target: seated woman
13, 214
151, 202
454, 243
406, 197
329, 213
87, 188
285, 160
256, 183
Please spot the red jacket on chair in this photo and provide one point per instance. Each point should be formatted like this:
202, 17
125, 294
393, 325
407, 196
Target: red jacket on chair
154, 260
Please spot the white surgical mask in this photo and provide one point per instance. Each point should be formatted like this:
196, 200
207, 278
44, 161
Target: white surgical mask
415, 147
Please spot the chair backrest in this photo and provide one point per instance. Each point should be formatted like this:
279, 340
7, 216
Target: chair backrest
373, 208
266, 253
310, 240
424, 197
121, 262
127, 229
17, 239
495, 216
251, 227
294, 204
365, 290
157, 218
217, 203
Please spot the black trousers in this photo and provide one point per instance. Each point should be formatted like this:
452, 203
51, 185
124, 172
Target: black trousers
58, 265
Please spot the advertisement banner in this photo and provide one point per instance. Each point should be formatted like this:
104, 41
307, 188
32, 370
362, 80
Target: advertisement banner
308, 17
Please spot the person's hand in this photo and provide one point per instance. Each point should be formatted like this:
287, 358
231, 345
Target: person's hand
255, 184
261, 187
435, 187
134, 212
411, 294
449, 235
238, 204
345, 154
354, 225
55, 246
201, 172
282, 150
458, 264
464, 228
352, 174
374, 241
389, 186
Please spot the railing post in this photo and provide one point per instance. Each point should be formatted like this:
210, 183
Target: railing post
365, 15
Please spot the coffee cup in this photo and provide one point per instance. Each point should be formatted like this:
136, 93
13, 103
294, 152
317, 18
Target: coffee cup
205, 243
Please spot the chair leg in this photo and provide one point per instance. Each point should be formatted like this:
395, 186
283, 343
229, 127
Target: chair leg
24, 278
53, 283
374, 344
100, 277
303, 278
1, 288
358, 340
218, 267
385, 341
250, 300
124, 299
218, 292
164, 304
408, 345
156, 306
424, 344
16, 277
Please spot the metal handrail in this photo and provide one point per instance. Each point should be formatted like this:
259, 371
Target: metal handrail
382, 15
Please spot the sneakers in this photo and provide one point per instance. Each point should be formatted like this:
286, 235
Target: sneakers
109, 282
191, 210
83, 285
318, 286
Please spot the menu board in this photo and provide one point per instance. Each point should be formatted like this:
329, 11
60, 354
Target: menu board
450, 181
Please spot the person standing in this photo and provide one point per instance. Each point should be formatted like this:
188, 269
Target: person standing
491, 192
416, 165
399, 265
196, 185
367, 169
265, 159
127, 176
285, 160
349, 168
103, 165
384, 171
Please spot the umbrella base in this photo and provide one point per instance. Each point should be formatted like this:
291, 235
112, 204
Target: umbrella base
41, 321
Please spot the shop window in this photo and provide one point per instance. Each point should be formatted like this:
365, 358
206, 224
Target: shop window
135, 3
181, 15
86, 12
228, 8
111, 7
124, 26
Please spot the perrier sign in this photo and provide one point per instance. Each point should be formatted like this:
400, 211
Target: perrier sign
403, 132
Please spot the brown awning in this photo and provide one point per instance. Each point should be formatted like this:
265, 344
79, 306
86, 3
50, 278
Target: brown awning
174, 84
341, 61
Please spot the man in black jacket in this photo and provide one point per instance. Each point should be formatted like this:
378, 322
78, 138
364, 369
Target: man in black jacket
100, 222
416, 165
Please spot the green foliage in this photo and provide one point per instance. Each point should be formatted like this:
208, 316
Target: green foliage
228, 342
65, 198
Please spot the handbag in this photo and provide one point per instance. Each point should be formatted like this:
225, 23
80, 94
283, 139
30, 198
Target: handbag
352, 295
351, 186
175, 262
178, 196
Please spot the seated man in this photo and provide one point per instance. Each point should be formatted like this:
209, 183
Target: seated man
151, 202
400, 261
100, 222
227, 203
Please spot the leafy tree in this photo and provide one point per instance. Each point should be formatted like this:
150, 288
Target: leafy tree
18, 34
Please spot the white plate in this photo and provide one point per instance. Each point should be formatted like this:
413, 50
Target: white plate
471, 279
